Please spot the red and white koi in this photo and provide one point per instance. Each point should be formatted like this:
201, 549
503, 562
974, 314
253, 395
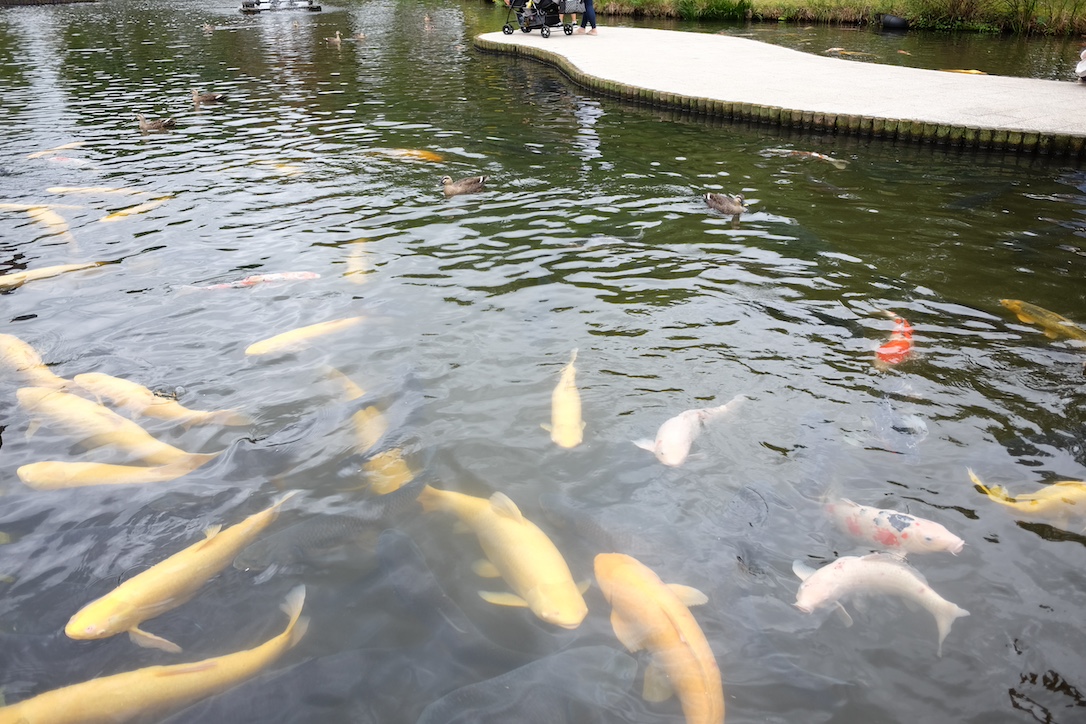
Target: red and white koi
253, 280
898, 347
835, 162
891, 529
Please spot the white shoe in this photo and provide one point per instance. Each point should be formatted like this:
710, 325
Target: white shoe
592, 31
580, 31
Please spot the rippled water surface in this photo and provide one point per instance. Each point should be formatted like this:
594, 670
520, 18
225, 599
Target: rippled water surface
591, 236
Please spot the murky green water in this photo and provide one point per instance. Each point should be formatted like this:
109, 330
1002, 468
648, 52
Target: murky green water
592, 236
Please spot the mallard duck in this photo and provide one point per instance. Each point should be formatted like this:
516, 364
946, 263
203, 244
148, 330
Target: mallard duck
463, 186
730, 205
336, 40
155, 124
198, 97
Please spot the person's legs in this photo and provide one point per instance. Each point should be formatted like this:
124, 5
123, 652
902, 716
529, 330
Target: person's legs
589, 14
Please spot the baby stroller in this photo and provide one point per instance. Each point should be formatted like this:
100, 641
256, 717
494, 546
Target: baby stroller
531, 14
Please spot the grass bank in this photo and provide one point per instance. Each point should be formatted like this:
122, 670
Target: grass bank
1060, 17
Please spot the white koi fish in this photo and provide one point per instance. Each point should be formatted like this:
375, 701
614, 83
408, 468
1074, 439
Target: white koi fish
675, 436
891, 529
65, 147
17, 279
24, 361
134, 210
877, 573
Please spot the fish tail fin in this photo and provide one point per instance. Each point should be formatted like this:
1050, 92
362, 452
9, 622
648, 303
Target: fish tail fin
278, 504
945, 619
430, 499
573, 356
995, 492
292, 607
229, 418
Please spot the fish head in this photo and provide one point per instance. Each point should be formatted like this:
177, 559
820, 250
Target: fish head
99, 619
1014, 305
31, 397
822, 588
930, 537
560, 604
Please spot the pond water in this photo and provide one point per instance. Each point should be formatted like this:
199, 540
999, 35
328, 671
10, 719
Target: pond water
592, 235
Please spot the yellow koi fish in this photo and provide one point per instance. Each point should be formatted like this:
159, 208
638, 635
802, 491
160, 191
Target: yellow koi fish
648, 614
411, 153
51, 220
54, 475
65, 147
25, 362
167, 584
96, 190
1057, 503
386, 471
17, 279
137, 397
567, 427
517, 551
99, 426
299, 337
1054, 325
157, 690
358, 262
969, 71
134, 210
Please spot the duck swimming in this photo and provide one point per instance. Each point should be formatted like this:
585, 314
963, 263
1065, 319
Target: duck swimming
155, 124
198, 97
463, 186
336, 40
731, 205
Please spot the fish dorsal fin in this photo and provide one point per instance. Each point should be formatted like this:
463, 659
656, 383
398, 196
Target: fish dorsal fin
689, 595
501, 504
485, 569
503, 599
209, 534
802, 570
150, 641
629, 635
657, 683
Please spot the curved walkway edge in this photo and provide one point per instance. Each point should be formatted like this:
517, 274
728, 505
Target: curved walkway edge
741, 79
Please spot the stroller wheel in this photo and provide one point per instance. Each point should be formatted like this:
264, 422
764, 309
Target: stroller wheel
507, 29
545, 31
525, 29
567, 29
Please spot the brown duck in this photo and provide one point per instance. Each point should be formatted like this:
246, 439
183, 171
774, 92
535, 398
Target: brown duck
155, 124
198, 97
730, 205
463, 186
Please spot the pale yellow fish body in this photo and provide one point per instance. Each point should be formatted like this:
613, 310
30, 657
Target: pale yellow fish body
65, 147
134, 210
137, 397
16, 279
156, 691
521, 553
27, 207
301, 336
96, 190
358, 262
648, 614
167, 584
386, 471
416, 154
967, 71
97, 425
51, 220
567, 427
54, 475
1057, 503
25, 362
1053, 324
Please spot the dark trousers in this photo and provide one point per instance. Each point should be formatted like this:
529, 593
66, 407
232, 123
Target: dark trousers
589, 15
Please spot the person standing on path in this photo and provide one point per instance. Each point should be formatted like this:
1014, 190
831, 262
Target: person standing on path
589, 16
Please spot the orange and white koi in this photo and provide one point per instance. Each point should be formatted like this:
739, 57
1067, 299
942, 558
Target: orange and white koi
835, 162
898, 347
892, 529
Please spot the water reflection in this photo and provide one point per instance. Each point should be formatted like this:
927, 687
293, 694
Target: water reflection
592, 234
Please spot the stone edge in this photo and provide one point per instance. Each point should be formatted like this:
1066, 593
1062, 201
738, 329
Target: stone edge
1053, 144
